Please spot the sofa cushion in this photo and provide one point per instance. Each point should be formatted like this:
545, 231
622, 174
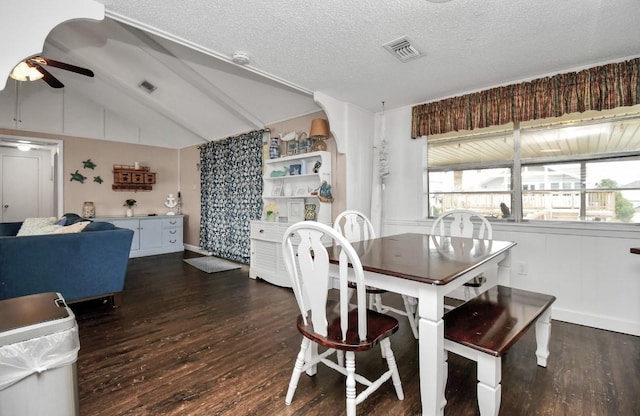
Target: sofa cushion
38, 225
73, 228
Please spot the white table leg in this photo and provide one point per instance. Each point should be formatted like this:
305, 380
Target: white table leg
543, 334
504, 270
489, 388
432, 354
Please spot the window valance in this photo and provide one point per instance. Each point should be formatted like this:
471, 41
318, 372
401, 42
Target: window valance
598, 88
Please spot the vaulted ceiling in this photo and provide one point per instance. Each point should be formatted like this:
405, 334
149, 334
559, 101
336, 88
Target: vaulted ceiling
335, 47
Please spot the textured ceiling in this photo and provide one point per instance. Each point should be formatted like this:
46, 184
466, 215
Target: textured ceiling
298, 47
334, 46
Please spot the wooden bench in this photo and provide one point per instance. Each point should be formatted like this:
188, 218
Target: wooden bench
485, 327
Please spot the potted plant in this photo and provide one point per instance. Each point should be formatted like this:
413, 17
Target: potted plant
129, 203
271, 211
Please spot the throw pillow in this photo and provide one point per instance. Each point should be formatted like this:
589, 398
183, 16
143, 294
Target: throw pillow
37, 226
73, 228
99, 226
72, 218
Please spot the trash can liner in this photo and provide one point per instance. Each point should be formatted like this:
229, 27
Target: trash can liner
21, 359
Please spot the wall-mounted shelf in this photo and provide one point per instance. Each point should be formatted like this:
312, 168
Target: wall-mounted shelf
128, 178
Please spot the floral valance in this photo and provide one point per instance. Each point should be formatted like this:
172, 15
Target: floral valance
599, 88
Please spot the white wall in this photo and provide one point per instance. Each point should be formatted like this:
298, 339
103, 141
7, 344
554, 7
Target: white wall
588, 267
359, 153
352, 128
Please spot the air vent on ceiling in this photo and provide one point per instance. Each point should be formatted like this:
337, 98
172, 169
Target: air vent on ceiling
403, 49
147, 86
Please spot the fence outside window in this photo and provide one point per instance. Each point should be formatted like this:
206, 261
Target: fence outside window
586, 170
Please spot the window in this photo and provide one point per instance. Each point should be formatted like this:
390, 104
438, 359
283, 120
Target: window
583, 170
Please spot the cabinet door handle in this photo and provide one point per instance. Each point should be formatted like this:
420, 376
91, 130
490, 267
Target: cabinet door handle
172, 242
172, 231
173, 222
261, 231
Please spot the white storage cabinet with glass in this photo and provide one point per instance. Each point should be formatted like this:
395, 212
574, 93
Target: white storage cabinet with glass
292, 190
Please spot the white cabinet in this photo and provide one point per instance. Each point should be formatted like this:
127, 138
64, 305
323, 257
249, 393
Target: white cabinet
31, 106
152, 235
35, 106
291, 194
266, 252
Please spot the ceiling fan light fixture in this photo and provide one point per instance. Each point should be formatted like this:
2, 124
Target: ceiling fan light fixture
24, 72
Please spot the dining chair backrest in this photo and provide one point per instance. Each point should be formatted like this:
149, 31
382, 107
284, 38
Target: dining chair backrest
354, 225
306, 257
462, 223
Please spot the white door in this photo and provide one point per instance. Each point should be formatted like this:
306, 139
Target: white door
20, 187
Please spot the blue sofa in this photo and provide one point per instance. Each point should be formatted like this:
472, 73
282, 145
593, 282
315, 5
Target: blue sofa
85, 265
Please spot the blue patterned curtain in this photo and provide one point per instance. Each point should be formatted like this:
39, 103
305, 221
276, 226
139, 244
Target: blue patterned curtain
231, 183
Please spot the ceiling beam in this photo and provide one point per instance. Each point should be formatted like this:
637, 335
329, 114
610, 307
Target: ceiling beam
137, 94
181, 41
193, 77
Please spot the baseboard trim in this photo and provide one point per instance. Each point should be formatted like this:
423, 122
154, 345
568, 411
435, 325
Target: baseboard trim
596, 321
196, 249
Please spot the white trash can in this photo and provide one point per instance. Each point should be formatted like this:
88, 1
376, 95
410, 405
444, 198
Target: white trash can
38, 352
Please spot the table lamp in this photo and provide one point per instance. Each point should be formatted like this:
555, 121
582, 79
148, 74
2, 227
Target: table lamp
318, 133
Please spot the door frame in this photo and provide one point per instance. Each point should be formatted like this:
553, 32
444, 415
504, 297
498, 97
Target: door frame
55, 148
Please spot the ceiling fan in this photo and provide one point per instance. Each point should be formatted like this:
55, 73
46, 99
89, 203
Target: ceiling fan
32, 69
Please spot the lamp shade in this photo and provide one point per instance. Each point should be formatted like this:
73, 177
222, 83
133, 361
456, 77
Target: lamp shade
24, 72
319, 128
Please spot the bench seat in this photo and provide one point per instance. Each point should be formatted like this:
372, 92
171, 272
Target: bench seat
485, 327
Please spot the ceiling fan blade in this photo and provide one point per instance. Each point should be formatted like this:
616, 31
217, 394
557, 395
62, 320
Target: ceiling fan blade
57, 64
47, 77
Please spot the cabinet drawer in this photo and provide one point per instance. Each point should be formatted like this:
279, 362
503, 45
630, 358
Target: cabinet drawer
150, 178
171, 222
266, 231
122, 177
172, 236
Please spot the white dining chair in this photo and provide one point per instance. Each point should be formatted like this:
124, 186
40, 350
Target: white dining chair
342, 330
355, 226
468, 224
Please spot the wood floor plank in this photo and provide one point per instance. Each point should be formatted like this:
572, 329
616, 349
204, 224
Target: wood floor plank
185, 342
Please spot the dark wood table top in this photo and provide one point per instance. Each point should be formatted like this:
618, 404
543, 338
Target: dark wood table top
635, 250
423, 258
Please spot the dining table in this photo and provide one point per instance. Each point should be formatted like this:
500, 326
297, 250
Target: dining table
429, 268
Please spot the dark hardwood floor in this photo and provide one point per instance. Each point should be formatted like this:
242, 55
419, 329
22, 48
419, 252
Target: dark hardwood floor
186, 342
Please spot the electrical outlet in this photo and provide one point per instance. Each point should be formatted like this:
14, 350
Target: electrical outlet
522, 268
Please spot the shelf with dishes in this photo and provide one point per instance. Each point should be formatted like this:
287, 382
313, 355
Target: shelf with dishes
298, 188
